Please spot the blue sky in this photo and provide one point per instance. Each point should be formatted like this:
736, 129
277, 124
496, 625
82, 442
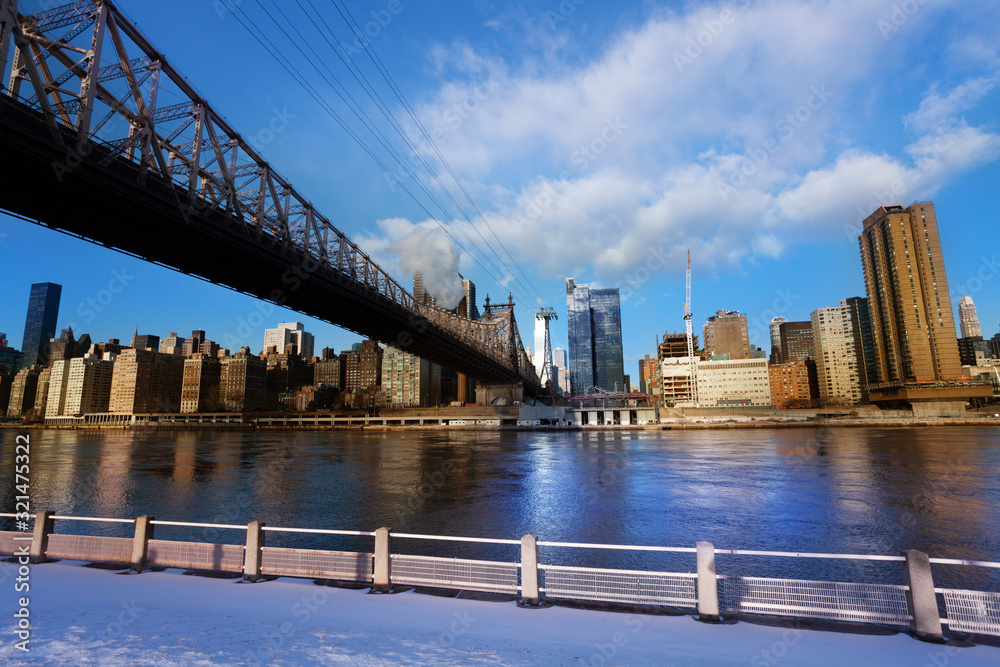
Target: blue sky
600, 141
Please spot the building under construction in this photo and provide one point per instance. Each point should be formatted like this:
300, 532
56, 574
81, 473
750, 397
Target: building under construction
675, 369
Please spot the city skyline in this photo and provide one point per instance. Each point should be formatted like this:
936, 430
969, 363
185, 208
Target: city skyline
879, 157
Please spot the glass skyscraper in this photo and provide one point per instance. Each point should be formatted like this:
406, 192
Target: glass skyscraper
595, 339
40, 323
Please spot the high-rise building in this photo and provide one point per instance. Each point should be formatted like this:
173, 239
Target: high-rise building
733, 383
792, 384
10, 359
6, 381
675, 345
40, 323
242, 381
726, 332
973, 351
88, 388
538, 354
144, 341
913, 328
862, 323
55, 401
560, 360
42, 393
465, 387
362, 366
795, 342
202, 384
594, 323
408, 380
22, 392
64, 347
326, 370
467, 307
286, 374
836, 357
290, 332
775, 331
144, 381
172, 344
968, 319
647, 374
677, 381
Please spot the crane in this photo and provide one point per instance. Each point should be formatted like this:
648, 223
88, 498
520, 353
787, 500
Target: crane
693, 365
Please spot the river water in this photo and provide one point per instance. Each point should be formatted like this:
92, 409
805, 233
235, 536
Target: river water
826, 490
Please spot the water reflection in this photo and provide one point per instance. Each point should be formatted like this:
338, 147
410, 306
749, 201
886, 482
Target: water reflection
825, 490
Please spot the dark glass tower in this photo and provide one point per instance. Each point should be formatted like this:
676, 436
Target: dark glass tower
40, 323
862, 324
595, 339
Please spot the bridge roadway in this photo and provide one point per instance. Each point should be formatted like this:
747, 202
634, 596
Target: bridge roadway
108, 201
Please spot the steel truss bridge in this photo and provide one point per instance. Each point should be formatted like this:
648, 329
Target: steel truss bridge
101, 138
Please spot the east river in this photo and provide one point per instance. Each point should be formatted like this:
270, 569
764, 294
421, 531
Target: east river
825, 490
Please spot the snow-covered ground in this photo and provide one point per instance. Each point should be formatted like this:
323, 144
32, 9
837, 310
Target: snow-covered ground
84, 616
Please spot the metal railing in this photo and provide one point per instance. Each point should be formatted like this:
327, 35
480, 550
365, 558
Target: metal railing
913, 604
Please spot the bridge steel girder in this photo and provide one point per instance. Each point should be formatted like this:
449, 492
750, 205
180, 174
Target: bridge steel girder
182, 188
108, 202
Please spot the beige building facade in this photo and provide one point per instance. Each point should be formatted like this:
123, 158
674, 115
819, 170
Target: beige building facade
836, 356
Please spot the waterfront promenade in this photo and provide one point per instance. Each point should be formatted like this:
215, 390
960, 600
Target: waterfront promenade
90, 616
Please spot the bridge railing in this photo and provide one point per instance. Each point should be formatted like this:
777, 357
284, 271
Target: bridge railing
694, 585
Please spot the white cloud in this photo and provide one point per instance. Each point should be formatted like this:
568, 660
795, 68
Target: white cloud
736, 149
938, 110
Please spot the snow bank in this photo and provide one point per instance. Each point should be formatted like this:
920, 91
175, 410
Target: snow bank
85, 616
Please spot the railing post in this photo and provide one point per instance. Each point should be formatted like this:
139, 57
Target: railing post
143, 534
383, 561
531, 593
921, 601
708, 584
44, 524
252, 555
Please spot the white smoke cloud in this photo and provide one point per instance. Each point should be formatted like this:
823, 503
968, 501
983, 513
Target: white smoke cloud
432, 253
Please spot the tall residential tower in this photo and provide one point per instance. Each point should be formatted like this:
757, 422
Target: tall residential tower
913, 329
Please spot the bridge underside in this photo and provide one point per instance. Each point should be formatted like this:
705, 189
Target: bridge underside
107, 201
